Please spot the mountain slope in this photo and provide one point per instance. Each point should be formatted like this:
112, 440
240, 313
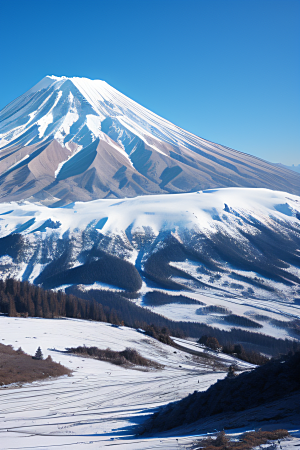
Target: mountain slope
70, 139
101, 401
235, 241
258, 388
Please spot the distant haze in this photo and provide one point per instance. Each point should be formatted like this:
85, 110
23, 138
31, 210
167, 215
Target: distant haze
293, 167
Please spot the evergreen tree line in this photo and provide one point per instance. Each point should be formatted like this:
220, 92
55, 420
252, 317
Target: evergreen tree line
20, 298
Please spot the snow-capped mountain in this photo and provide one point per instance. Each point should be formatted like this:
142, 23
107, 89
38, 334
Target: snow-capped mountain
81, 147
234, 242
71, 139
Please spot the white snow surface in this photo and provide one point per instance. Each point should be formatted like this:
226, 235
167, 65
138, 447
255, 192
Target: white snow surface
159, 212
47, 81
98, 405
89, 97
273, 309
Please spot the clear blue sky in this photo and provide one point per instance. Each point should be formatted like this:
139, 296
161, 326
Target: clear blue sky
226, 70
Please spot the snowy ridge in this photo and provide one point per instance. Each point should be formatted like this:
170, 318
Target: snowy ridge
103, 99
201, 210
107, 101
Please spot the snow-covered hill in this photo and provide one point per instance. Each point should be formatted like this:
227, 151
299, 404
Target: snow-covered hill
208, 211
70, 139
236, 243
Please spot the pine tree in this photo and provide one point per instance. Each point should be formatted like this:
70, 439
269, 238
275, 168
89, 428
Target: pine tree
38, 354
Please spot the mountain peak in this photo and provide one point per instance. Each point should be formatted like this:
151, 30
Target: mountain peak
45, 83
110, 146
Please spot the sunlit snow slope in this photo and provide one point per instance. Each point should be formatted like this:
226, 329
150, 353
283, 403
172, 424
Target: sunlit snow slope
70, 139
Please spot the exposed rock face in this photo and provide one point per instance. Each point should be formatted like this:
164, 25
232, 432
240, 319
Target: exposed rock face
71, 139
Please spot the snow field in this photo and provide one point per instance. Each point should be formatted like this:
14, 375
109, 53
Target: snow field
238, 305
100, 402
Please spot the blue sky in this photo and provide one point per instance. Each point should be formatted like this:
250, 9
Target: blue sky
226, 70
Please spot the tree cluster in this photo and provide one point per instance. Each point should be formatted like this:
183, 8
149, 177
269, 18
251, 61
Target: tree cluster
123, 358
236, 350
234, 319
107, 269
161, 334
245, 355
24, 299
158, 298
210, 341
216, 309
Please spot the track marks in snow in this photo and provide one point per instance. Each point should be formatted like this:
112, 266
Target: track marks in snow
100, 399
